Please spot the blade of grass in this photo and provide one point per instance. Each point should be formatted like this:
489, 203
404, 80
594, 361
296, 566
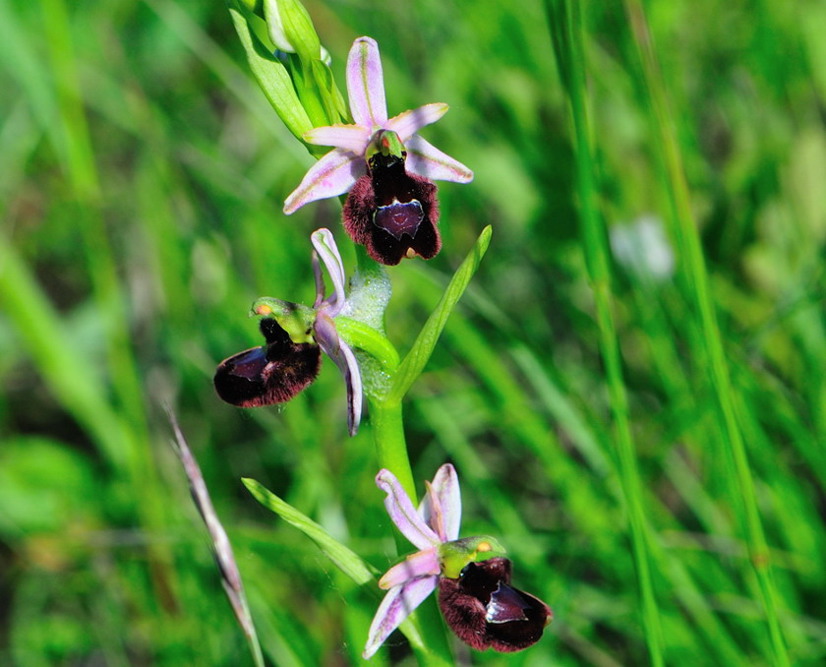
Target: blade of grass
566, 23
78, 390
690, 248
81, 168
222, 548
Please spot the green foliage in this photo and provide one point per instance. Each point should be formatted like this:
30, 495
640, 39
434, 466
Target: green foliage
347, 561
141, 182
271, 75
414, 363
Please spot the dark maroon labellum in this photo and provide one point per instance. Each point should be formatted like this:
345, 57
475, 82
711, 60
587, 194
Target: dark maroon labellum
484, 610
272, 373
392, 213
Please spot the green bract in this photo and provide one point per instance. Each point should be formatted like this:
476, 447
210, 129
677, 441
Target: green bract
289, 63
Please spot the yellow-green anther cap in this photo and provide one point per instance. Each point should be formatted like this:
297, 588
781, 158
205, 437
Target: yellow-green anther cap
454, 556
296, 319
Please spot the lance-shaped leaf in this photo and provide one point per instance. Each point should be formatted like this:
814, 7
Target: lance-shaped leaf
415, 361
343, 558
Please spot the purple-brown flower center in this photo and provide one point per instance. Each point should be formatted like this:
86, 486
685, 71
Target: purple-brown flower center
485, 611
272, 373
393, 213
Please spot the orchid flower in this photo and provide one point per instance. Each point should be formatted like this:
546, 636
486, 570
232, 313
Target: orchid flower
434, 529
476, 599
295, 336
406, 196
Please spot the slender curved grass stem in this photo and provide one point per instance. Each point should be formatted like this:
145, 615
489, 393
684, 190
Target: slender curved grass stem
566, 21
685, 231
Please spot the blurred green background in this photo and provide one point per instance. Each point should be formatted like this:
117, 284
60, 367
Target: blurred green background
142, 175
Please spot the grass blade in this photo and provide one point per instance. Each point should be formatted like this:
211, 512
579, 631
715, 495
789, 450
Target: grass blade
690, 248
566, 20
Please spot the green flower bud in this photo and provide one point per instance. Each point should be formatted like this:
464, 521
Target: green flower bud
291, 29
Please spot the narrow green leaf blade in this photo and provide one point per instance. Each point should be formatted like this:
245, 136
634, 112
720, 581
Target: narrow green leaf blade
347, 561
418, 356
343, 558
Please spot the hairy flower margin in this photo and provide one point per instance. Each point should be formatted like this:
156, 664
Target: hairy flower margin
476, 599
295, 335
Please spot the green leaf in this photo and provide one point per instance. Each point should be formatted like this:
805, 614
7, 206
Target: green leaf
347, 561
418, 356
343, 558
272, 77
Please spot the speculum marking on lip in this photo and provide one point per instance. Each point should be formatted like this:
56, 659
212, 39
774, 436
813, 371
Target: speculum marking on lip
399, 218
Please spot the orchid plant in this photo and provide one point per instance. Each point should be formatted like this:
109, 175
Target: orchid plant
386, 170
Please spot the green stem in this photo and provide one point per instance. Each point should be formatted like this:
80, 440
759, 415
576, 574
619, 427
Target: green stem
391, 448
364, 263
566, 20
388, 434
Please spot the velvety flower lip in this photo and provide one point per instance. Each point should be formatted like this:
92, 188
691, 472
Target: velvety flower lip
290, 359
485, 611
272, 373
433, 527
394, 214
337, 171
